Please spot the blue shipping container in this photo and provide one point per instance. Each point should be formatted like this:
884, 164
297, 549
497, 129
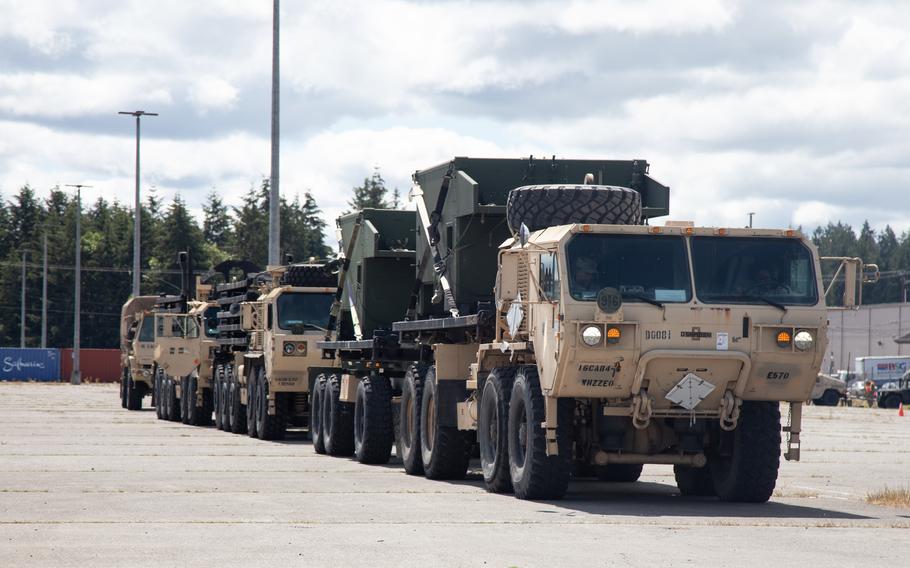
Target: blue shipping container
29, 364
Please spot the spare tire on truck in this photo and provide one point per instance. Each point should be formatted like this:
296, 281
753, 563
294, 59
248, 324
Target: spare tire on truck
542, 206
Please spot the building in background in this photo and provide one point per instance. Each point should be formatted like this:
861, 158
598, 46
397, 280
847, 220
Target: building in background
874, 330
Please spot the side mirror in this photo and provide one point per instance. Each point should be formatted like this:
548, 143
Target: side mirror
524, 234
131, 334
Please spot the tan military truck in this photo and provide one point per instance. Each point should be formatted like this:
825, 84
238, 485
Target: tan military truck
184, 346
587, 342
137, 346
267, 359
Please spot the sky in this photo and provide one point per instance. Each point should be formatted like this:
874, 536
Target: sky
796, 111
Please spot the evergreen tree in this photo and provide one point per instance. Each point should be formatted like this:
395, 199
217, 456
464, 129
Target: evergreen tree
216, 227
371, 194
251, 224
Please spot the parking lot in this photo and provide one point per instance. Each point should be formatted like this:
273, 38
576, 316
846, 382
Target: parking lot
86, 483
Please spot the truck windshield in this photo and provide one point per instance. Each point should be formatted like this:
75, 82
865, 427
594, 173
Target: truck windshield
641, 267
210, 317
753, 270
304, 310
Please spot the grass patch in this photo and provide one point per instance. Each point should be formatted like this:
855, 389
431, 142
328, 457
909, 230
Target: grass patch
889, 497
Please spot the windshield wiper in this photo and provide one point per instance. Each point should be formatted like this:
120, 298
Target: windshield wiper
643, 298
777, 305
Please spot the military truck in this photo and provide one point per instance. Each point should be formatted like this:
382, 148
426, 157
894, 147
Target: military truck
551, 326
137, 351
266, 358
828, 390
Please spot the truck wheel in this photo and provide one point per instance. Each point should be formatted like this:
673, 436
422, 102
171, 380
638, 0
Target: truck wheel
252, 406
535, 475
133, 395
493, 430
337, 420
444, 450
316, 414
156, 396
124, 382
750, 473
190, 395
236, 409
831, 397
373, 432
541, 206
408, 443
618, 472
225, 401
184, 399
216, 395
269, 427
892, 401
205, 411
694, 481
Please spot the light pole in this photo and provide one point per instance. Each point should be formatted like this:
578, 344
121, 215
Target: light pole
76, 377
44, 297
752, 214
137, 214
22, 312
274, 210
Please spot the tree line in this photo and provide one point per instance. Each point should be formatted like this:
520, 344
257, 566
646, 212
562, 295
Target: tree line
238, 232
225, 232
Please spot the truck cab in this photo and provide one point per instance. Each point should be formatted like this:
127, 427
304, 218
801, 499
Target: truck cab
137, 351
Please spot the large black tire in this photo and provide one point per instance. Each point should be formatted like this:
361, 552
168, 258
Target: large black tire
373, 431
337, 420
316, 398
535, 475
205, 411
541, 206
408, 445
493, 429
225, 399
619, 472
828, 398
694, 481
444, 450
134, 395
157, 395
236, 409
185, 399
216, 395
892, 401
269, 426
194, 413
749, 474
124, 383
252, 406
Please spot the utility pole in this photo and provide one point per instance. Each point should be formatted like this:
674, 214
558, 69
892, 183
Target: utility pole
44, 298
274, 210
138, 210
76, 377
751, 214
22, 312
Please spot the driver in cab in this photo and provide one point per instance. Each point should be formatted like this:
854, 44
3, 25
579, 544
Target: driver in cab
586, 283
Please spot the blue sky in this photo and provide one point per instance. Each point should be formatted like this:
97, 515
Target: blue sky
798, 111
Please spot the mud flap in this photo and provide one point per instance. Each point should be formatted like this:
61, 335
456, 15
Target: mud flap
450, 393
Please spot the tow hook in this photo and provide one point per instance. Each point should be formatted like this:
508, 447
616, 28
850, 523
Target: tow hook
729, 411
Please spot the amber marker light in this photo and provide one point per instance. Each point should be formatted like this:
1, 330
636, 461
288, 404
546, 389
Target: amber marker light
613, 335
783, 338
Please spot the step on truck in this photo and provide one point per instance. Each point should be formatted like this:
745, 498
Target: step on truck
553, 329
266, 357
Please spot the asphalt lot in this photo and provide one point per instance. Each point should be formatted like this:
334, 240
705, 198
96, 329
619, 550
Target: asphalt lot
86, 483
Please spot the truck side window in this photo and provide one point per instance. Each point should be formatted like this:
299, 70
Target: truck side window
271, 310
549, 276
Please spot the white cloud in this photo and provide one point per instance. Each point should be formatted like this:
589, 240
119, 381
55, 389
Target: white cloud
212, 93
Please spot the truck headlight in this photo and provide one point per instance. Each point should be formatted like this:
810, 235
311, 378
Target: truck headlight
803, 340
591, 335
